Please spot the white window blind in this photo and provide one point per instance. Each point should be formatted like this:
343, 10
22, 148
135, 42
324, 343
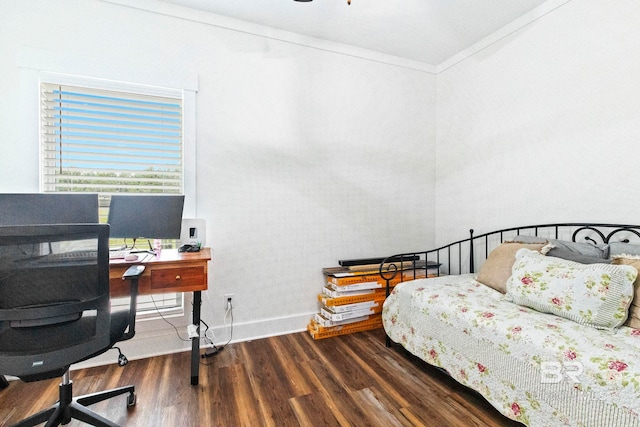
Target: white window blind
111, 141
106, 141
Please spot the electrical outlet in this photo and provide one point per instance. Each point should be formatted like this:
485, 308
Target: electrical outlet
193, 230
227, 301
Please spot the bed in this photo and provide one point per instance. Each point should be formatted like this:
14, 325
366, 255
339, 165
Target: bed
572, 361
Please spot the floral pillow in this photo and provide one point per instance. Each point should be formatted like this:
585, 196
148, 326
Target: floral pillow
596, 295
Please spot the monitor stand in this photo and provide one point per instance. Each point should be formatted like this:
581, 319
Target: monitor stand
133, 249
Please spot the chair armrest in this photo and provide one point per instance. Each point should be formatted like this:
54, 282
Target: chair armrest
133, 272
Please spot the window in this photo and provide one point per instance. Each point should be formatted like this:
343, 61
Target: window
106, 141
113, 141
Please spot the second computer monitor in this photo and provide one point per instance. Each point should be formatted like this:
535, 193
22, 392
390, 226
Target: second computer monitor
150, 217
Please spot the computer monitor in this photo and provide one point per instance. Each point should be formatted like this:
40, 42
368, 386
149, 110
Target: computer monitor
150, 217
48, 208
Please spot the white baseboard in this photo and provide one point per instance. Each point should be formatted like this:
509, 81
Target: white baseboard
165, 341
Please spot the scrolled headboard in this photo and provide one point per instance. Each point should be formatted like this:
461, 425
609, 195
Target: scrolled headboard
464, 256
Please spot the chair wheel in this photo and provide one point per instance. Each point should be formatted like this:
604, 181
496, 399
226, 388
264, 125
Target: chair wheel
131, 400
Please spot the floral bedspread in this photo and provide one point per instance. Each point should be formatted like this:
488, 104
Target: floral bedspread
536, 368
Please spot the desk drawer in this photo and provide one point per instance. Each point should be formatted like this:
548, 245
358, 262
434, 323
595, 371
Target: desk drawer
177, 279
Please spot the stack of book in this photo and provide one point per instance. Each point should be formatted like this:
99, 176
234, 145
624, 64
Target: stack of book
352, 298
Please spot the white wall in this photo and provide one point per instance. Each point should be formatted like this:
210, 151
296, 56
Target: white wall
304, 155
543, 126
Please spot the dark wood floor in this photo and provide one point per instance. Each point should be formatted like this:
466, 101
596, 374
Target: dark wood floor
291, 380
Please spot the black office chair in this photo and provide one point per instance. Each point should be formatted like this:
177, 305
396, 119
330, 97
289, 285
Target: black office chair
47, 208
55, 311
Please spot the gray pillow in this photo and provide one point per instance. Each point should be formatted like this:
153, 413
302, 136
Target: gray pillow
584, 253
619, 248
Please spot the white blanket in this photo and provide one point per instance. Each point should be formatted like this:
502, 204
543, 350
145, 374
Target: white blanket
536, 368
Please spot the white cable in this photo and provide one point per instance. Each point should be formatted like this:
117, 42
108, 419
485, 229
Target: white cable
229, 313
209, 336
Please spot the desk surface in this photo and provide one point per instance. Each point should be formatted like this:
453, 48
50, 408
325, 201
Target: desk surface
166, 255
170, 271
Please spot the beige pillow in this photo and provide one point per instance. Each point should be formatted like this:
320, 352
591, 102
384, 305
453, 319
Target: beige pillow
633, 320
497, 268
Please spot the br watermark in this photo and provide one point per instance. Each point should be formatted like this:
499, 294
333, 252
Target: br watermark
557, 372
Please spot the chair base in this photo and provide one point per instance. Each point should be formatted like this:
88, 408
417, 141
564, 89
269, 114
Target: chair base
68, 407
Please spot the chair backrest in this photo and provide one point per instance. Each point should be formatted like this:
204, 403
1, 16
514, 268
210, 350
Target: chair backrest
54, 297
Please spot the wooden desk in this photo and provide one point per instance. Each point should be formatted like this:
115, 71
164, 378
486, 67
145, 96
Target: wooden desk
171, 271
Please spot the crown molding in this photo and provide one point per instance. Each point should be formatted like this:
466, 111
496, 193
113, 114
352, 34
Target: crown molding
231, 24
502, 33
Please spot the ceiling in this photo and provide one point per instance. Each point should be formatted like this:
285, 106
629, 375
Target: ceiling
426, 31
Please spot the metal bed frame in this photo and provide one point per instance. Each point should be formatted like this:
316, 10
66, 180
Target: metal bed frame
462, 256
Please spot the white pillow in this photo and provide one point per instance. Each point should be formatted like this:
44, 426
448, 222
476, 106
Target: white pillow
596, 295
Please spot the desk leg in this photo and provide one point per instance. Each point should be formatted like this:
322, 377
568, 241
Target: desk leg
195, 342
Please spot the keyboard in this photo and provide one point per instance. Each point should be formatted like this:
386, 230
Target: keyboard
118, 254
62, 257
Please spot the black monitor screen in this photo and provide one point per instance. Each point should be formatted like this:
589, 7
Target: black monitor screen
48, 208
151, 217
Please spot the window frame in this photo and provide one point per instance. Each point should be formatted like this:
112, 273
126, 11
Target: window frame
188, 158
